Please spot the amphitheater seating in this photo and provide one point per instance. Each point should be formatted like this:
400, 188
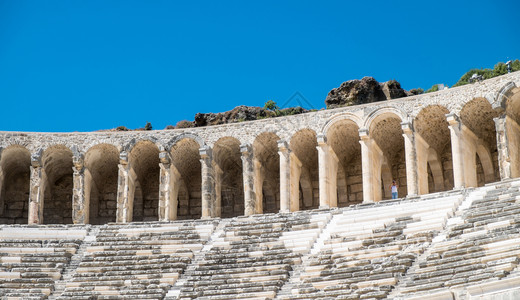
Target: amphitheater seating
136, 261
482, 243
366, 250
451, 245
32, 258
252, 256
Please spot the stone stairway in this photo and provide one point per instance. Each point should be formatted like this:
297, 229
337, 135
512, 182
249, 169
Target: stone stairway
481, 244
370, 247
285, 291
175, 290
32, 258
252, 257
70, 270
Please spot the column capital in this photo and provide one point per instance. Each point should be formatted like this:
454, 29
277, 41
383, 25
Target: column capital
322, 139
78, 162
123, 158
452, 119
205, 152
363, 134
283, 146
407, 127
497, 120
245, 149
164, 157
36, 159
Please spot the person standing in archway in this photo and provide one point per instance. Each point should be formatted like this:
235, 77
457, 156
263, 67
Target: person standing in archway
394, 187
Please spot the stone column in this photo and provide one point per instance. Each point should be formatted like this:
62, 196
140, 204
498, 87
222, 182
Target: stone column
2, 178
456, 150
422, 156
296, 171
504, 159
216, 208
247, 176
410, 158
328, 170
37, 190
285, 176
368, 188
469, 153
125, 190
167, 201
208, 184
80, 192
258, 185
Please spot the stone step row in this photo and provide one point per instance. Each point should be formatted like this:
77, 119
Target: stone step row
343, 291
36, 251
142, 241
117, 253
252, 296
285, 259
82, 270
132, 259
39, 244
128, 247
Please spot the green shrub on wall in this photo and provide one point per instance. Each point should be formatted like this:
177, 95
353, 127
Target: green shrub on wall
499, 69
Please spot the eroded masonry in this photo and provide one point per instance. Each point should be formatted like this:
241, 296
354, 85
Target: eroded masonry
460, 137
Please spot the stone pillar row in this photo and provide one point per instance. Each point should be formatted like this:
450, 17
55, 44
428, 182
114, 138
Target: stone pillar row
464, 145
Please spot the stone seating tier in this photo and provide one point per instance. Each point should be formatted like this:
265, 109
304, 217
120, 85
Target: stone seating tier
252, 258
136, 261
368, 250
33, 258
480, 245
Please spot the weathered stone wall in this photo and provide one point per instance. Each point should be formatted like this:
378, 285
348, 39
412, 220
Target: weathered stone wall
58, 202
14, 200
424, 149
354, 185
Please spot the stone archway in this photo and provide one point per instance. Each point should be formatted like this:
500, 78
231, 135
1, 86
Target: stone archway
144, 163
343, 138
507, 124
433, 147
15, 163
388, 155
477, 116
229, 185
267, 173
57, 204
305, 178
101, 176
186, 179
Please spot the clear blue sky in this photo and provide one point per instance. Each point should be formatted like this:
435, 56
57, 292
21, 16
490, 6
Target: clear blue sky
89, 65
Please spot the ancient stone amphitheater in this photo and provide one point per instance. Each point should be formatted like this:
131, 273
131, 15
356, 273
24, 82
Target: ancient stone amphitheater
285, 208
